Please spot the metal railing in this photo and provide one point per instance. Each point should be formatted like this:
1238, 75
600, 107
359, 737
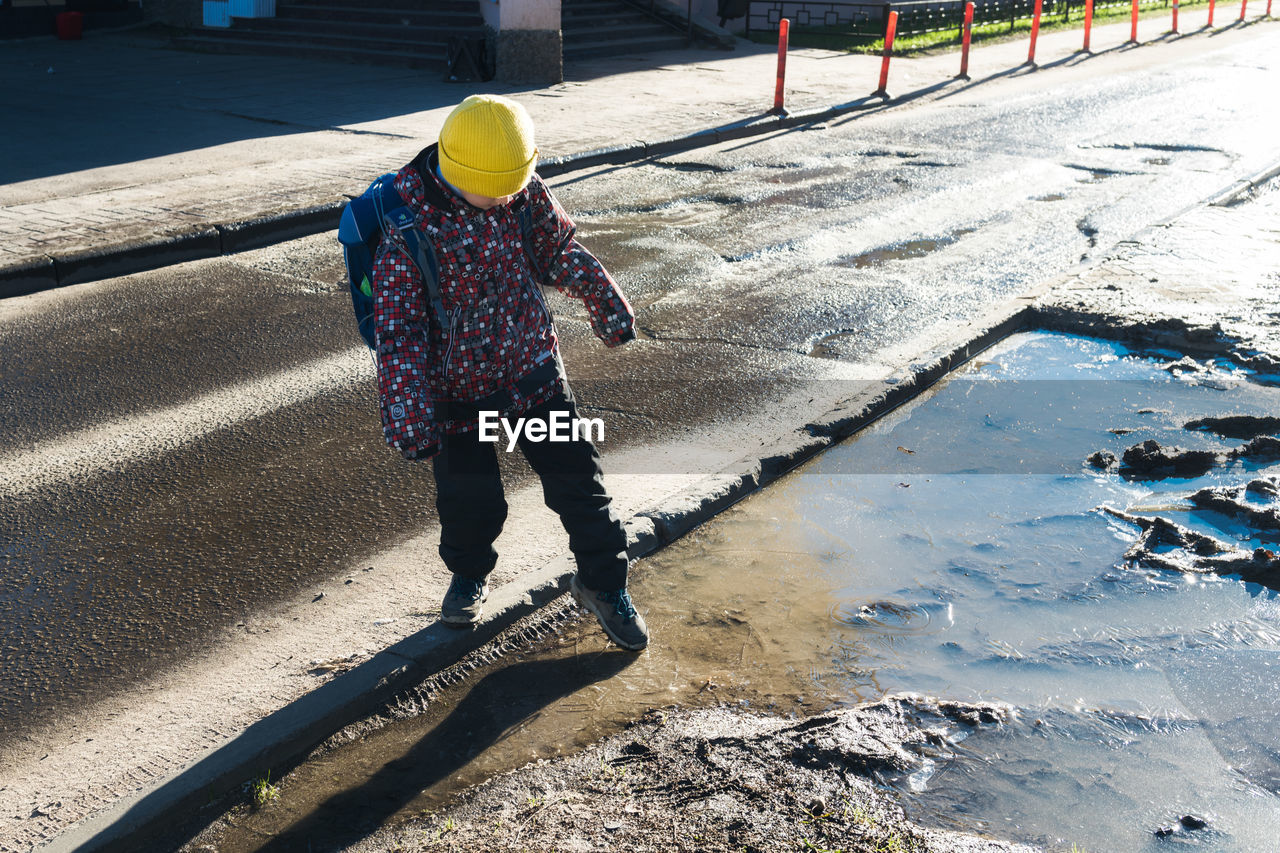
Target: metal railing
837, 18
915, 17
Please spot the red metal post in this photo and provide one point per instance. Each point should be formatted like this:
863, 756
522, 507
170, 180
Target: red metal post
968, 31
891, 27
1035, 31
1243, 4
1133, 24
1088, 22
1175, 18
784, 30
1210, 24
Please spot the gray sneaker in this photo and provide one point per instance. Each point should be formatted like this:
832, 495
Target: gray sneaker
617, 615
464, 602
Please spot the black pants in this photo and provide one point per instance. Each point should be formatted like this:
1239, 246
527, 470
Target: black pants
472, 508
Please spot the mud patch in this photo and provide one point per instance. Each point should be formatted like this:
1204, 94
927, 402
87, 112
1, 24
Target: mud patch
664, 208
1232, 501
1158, 146
829, 345
693, 167
902, 251
1236, 426
1151, 460
899, 154
719, 780
1170, 546
1097, 174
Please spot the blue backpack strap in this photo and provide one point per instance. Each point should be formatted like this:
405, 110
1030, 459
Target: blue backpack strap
359, 231
380, 211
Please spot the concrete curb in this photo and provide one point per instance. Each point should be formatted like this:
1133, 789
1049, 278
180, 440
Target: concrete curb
165, 250
1226, 196
1239, 188
285, 737
109, 261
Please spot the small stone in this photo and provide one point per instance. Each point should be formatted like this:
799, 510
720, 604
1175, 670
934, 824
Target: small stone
612, 825
1163, 831
1191, 821
816, 807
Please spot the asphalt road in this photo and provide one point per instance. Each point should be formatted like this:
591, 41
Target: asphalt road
182, 448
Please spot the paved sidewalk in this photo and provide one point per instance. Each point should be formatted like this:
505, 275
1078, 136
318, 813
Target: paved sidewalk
135, 155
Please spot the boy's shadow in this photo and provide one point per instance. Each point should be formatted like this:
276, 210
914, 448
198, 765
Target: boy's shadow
496, 703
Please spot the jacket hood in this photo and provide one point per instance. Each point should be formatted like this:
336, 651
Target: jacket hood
425, 164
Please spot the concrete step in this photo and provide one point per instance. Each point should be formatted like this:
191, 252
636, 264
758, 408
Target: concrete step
433, 41
602, 16
383, 15
644, 29
588, 6
391, 5
324, 32
227, 44
411, 33
617, 47
594, 28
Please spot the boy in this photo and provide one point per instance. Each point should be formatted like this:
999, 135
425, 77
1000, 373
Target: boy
485, 343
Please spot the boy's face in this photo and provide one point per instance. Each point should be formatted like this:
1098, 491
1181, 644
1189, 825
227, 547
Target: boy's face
484, 202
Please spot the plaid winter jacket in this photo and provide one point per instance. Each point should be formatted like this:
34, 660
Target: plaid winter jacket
496, 327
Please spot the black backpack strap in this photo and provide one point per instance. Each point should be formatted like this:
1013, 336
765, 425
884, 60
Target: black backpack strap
539, 277
526, 239
421, 253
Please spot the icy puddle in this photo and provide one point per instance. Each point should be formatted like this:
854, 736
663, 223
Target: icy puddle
955, 548
964, 549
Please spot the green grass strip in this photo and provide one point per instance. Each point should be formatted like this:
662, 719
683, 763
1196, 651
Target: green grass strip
997, 31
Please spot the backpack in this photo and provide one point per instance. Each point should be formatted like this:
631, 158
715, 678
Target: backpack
380, 212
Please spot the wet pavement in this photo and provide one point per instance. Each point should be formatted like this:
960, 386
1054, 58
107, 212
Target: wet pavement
851, 242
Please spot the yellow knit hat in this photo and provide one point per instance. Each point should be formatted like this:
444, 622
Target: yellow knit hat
486, 146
